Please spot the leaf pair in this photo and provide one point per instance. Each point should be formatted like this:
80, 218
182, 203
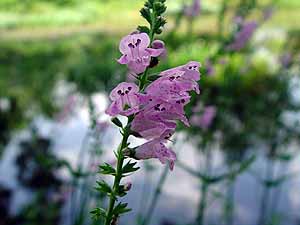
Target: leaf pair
129, 168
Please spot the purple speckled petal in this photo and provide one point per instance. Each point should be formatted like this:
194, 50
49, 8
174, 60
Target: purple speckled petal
191, 71
134, 42
123, 87
156, 149
150, 126
125, 99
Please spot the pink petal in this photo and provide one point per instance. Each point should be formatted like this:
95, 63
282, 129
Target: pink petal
123, 86
155, 52
123, 60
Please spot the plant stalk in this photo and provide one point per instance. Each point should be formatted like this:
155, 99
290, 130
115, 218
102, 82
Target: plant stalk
118, 177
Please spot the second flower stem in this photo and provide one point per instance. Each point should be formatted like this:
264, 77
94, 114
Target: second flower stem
148, 216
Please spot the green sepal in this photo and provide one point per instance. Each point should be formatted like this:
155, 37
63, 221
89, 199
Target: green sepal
121, 208
144, 29
97, 213
129, 167
117, 122
102, 186
107, 169
145, 12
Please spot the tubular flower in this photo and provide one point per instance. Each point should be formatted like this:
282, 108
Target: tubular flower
191, 70
156, 149
125, 100
136, 53
158, 44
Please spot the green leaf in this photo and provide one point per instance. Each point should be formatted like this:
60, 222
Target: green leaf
217, 194
284, 156
145, 12
121, 208
97, 213
160, 22
103, 187
275, 182
117, 122
129, 167
136, 134
151, 2
144, 29
211, 179
159, 8
246, 164
107, 169
120, 191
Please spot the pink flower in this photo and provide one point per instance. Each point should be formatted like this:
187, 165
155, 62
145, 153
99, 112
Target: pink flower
165, 99
158, 44
173, 85
192, 10
205, 120
156, 149
157, 117
243, 36
191, 71
125, 100
136, 53
159, 114
159, 108
127, 186
150, 128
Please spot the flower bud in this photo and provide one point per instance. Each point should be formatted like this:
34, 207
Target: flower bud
154, 62
127, 186
117, 122
129, 152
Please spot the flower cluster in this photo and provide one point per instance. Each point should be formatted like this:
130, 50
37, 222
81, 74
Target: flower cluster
136, 53
157, 108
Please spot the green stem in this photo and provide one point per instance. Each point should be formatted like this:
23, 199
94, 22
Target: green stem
277, 197
118, 177
143, 78
229, 204
266, 194
153, 18
202, 204
204, 190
